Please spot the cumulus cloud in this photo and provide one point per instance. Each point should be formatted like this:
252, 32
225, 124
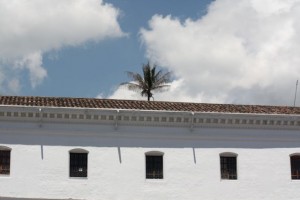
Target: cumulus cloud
32, 27
241, 51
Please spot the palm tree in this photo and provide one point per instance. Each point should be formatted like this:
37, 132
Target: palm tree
149, 81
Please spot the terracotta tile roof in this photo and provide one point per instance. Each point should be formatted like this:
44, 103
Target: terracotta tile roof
144, 105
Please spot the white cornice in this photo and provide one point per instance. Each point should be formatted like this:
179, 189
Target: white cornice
116, 117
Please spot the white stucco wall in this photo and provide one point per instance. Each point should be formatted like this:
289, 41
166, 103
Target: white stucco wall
116, 162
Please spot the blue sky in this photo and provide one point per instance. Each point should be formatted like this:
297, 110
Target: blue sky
93, 68
222, 51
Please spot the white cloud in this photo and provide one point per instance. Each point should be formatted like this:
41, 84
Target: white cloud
241, 51
33, 63
14, 85
32, 27
123, 93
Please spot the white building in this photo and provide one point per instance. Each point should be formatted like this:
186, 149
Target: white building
96, 149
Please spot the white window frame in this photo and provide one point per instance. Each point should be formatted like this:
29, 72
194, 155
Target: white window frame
6, 148
229, 154
155, 153
78, 150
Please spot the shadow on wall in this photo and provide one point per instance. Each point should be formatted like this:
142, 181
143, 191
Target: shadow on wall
119, 140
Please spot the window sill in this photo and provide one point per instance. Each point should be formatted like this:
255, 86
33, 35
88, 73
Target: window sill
79, 178
4, 175
229, 179
155, 180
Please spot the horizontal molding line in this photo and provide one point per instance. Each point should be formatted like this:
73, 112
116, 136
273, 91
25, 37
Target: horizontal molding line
116, 118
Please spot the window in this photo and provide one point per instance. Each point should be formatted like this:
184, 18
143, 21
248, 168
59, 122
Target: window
295, 167
4, 161
228, 166
78, 163
154, 166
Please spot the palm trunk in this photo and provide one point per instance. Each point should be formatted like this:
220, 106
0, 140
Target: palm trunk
149, 95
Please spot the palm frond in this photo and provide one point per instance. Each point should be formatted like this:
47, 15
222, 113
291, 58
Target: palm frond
135, 77
165, 78
161, 86
131, 86
150, 80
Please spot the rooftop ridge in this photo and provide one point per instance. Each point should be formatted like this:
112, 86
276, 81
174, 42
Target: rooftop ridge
79, 102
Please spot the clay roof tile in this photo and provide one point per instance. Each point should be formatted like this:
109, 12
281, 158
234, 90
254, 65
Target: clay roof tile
144, 105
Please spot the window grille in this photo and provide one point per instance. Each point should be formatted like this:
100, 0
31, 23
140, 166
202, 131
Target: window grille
154, 167
295, 167
228, 167
5, 162
78, 164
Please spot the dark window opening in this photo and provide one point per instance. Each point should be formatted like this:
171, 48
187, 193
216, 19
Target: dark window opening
295, 167
5, 162
228, 167
154, 167
78, 164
